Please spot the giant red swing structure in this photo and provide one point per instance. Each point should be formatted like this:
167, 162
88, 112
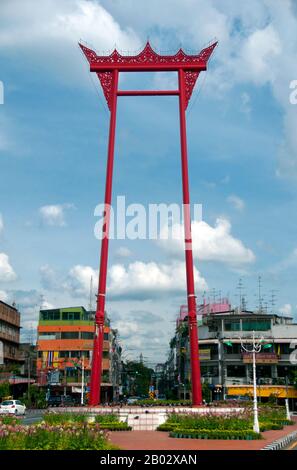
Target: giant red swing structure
107, 69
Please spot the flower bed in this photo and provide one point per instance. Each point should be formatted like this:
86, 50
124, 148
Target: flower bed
224, 426
103, 421
70, 436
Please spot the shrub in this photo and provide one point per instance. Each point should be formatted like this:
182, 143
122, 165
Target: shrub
214, 434
107, 418
60, 418
74, 436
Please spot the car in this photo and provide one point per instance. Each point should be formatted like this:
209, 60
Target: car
15, 407
161, 397
54, 400
133, 400
68, 400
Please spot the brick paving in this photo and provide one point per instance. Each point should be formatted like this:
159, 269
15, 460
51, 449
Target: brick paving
156, 440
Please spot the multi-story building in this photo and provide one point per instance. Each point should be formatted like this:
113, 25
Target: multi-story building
224, 365
28, 353
9, 335
65, 345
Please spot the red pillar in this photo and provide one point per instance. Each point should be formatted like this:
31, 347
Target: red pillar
99, 318
193, 329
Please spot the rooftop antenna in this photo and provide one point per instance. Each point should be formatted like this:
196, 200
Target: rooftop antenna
31, 334
260, 298
41, 300
240, 288
273, 299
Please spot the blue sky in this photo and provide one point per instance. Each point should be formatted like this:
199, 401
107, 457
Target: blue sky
53, 141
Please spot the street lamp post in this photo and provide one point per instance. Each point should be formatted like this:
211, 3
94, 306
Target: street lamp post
287, 400
82, 381
256, 348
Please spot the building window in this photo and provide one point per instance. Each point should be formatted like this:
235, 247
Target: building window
234, 349
235, 371
105, 354
209, 371
87, 335
256, 325
70, 315
232, 325
283, 348
47, 335
106, 336
263, 372
70, 335
75, 354
64, 354
50, 315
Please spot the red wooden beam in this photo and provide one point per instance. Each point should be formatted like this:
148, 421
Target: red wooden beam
148, 93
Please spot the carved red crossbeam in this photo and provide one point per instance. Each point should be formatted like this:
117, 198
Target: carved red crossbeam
147, 61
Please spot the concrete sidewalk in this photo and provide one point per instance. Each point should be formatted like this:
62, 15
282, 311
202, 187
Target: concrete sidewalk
156, 440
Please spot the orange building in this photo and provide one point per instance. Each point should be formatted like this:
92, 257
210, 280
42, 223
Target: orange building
65, 341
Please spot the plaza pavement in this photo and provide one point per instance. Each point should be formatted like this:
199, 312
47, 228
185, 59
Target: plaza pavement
156, 440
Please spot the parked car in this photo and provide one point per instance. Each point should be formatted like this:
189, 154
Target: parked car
68, 400
133, 400
54, 400
61, 400
14, 407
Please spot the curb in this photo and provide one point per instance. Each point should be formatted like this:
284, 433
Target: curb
281, 443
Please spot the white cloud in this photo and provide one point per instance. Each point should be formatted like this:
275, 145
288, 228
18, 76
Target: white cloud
7, 273
148, 280
259, 52
236, 202
79, 280
209, 243
123, 252
48, 277
257, 45
4, 296
54, 214
286, 310
47, 32
137, 280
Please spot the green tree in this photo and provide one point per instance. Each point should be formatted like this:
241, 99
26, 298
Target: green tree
206, 393
139, 377
4, 390
37, 397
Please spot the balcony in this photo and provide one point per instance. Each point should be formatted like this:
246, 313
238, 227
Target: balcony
14, 338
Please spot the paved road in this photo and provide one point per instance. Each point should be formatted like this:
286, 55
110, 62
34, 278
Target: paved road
33, 417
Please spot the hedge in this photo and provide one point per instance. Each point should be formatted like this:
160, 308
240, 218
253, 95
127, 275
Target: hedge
212, 434
115, 427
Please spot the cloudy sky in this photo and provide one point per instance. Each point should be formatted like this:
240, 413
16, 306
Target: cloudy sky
242, 138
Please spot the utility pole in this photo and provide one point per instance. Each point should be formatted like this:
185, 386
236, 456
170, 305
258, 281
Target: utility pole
29, 377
